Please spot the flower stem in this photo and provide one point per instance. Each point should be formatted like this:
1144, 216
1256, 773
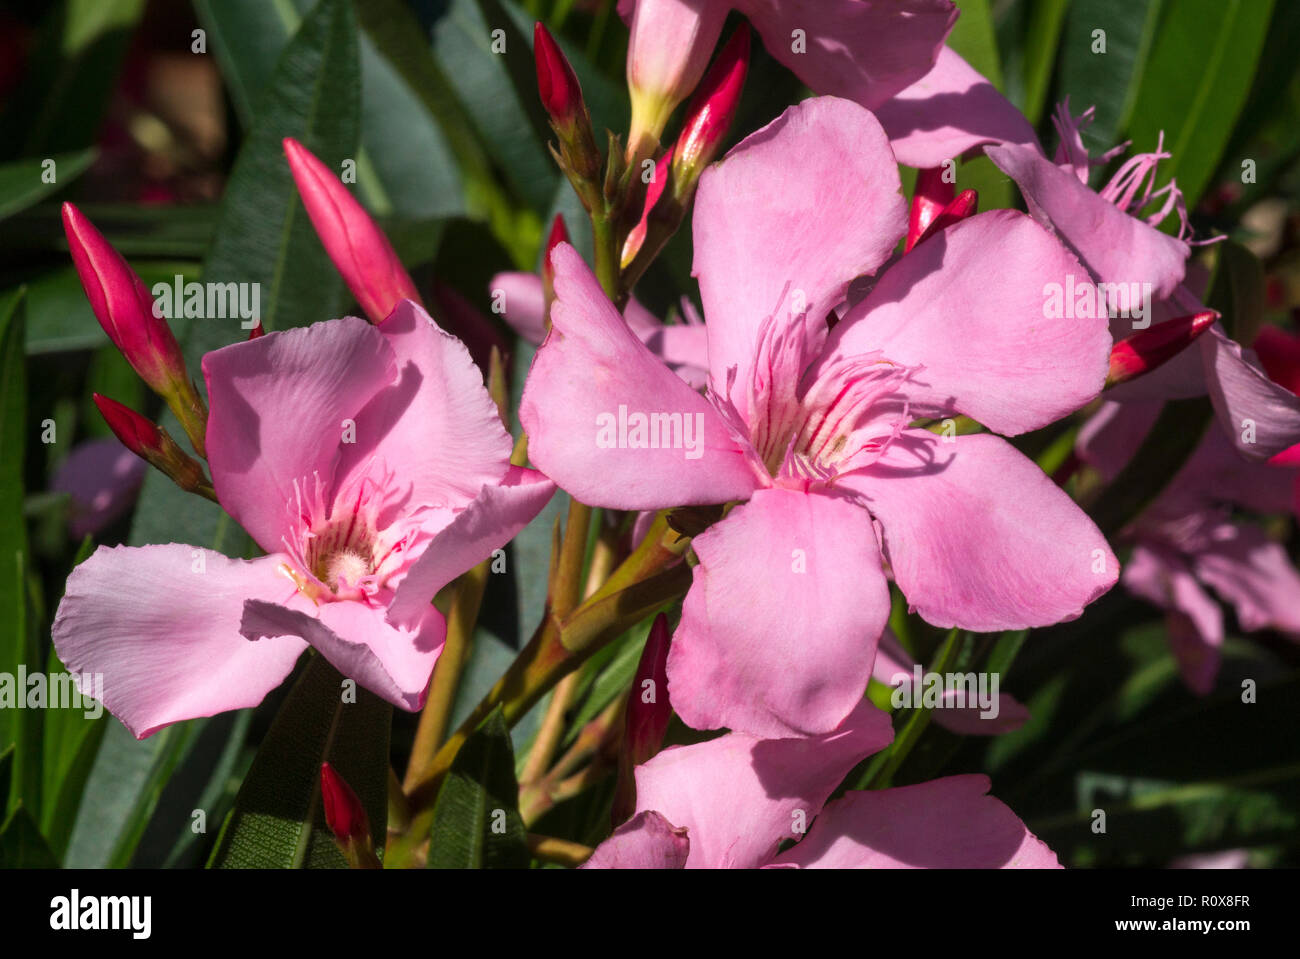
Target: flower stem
648, 579
436, 715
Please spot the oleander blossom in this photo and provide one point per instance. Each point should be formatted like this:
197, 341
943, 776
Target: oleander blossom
1114, 231
812, 429
1193, 539
370, 465
730, 802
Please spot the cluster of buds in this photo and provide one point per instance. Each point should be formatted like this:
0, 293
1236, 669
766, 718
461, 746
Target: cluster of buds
668, 50
128, 314
708, 118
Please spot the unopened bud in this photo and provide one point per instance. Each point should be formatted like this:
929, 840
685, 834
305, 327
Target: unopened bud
154, 445
126, 311
347, 819
1148, 349
711, 112
355, 244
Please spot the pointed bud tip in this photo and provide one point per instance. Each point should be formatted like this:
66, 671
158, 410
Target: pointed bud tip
1149, 349
136, 433
343, 810
557, 84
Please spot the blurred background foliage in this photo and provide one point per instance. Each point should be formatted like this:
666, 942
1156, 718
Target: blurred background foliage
176, 156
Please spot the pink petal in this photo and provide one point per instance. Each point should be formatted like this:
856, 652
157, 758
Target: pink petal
1195, 622
738, 797
950, 110
1113, 435
949, 823
436, 427
646, 841
1255, 574
392, 662
782, 225
279, 403
978, 537
524, 303
102, 477
488, 523
984, 345
1261, 417
1116, 247
779, 629
592, 373
866, 50
161, 624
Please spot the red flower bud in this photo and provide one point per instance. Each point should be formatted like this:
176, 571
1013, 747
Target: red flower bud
256, 332
556, 82
711, 111
343, 810
139, 435
1147, 349
123, 306
358, 248
963, 205
647, 717
932, 194
347, 819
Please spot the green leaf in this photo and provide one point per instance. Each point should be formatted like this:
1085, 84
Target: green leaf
23, 182
476, 822
122, 792
1046, 20
59, 317
419, 180
71, 75
974, 38
71, 740
278, 821
482, 79
1196, 83
19, 727
1108, 81
21, 844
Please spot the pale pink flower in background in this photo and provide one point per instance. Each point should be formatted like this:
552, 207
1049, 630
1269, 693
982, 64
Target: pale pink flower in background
1191, 538
811, 426
370, 464
682, 346
730, 802
102, 479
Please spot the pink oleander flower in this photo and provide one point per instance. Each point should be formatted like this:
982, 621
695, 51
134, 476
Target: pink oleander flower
1191, 538
863, 50
811, 428
370, 464
1114, 231
730, 802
